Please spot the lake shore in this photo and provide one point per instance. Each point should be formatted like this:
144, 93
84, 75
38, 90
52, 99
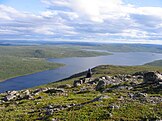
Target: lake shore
75, 65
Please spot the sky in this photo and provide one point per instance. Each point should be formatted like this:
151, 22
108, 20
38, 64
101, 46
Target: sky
114, 21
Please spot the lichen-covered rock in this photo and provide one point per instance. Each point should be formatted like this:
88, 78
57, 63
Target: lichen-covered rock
102, 83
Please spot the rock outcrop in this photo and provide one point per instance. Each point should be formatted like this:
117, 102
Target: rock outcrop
152, 77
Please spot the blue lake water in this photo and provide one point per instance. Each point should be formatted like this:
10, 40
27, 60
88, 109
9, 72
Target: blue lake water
76, 65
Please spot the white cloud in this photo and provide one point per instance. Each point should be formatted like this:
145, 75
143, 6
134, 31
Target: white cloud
85, 19
44, 30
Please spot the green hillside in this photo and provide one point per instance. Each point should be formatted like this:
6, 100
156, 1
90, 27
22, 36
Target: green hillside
155, 63
125, 98
22, 60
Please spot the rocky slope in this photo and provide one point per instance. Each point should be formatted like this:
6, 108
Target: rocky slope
111, 93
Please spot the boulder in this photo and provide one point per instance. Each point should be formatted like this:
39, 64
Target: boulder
77, 83
152, 77
86, 80
26, 92
102, 83
9, 97
12, 92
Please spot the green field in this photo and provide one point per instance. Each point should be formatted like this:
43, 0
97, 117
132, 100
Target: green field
22, 60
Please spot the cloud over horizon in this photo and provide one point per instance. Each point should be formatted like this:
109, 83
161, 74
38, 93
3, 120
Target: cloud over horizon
83, 20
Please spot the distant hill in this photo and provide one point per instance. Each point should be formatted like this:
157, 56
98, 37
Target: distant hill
155, 63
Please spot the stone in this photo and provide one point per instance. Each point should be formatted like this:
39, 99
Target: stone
37, 91
102, 83
94, 81
100, 98
55, 90
114, 107
9, 97
49, 111
86, 80
27, 97
128, 76
139, 77
64, 86
77, 83
54, 119
121, 98
12, 92
27, 92
152, 77
129, 88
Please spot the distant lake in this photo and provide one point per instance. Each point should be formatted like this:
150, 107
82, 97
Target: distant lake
76, 65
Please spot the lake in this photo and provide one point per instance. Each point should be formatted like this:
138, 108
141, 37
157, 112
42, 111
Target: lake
76, 65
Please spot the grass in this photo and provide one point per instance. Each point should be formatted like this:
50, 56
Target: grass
30, 110
18, 66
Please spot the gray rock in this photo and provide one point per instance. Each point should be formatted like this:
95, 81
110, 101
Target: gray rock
152, 77
54, 119
139, 77
86, 80
26, 92
77, 83
142, 97
12, 92
94, 81
129, 88
9, 97
55, 90
64, 86
128, 76
100, 98
121, 98
49, 111
37, 91
114, 107
27, 97
154, 100
102, 83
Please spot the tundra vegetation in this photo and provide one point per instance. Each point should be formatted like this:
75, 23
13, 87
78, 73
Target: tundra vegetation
112, 93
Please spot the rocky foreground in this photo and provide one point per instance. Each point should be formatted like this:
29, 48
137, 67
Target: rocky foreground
102, 96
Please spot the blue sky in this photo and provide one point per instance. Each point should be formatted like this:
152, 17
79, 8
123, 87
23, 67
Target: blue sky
115, 21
